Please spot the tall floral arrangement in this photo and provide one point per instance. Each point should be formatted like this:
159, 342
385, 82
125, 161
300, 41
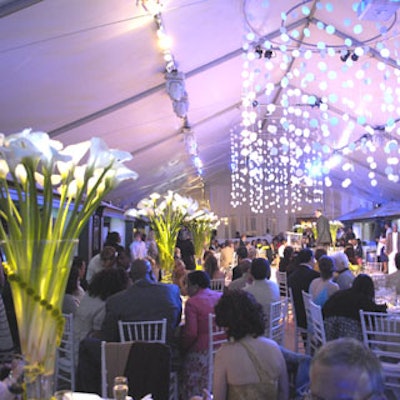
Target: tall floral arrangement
200, 224
166, 215
47, 194
333, 228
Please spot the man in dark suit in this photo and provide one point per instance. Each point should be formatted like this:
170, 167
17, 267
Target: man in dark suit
299, 280
145, 300
323, 231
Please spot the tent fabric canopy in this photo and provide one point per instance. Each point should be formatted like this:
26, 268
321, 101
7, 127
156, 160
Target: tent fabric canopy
388, 210
325, 81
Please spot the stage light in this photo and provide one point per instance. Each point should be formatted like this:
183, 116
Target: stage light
354, 57
344, 57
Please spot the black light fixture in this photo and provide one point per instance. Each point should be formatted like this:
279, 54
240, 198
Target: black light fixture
268, 54
259, 51
344, 57
354, 57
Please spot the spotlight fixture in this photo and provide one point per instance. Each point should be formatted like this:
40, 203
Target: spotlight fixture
268, 54
344, 57
258, 50
354, 57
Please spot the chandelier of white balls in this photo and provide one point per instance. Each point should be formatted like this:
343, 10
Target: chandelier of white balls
282, 155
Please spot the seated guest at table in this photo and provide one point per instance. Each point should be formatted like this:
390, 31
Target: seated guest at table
248, 366
319, 252
212, 269
72, 296
393, 279
242, 254
195, 337
262, 288
355, 263
299, 280
105, 259
322, 288
227, 254
92, 309
342, 310
81, 264
11, 379
343, 276
245, 279
286, 264
179, 275
144, 300
346, 369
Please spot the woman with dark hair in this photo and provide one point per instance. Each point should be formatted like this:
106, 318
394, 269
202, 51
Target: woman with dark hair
354, 263
72, 297
286, 264
212, 269
249, 366
322, 288
342, 310
195, 336
91, 312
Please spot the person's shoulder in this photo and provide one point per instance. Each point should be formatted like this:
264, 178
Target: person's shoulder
314, 273
116, 298
166, 287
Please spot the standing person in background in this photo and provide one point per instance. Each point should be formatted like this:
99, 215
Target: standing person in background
185, 244
114, 239
151, 246
138, 247
392, 247
243, 240
393, 280
323, 232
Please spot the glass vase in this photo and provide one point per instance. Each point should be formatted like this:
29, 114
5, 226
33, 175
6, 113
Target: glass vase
38, 272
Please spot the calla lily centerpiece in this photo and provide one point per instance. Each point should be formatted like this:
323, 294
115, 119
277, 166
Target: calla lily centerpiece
47, 194
200, 224
165, 215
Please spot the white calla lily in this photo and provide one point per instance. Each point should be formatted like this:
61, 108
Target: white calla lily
166, 215
38, 269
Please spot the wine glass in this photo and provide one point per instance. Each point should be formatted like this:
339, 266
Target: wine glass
120, 387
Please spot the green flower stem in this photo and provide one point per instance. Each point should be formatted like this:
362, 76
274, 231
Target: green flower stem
38, 303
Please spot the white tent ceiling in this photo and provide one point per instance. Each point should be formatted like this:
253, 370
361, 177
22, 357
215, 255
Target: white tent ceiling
84, 68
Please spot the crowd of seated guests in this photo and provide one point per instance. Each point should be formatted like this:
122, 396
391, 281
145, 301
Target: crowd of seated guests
249, 358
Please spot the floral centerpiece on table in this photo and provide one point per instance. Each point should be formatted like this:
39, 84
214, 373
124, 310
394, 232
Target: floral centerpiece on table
47, 195
200, 224
333, 228
166, 215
